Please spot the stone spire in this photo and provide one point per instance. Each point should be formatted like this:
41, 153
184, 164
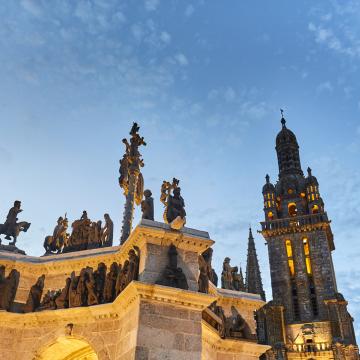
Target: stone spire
253, 275
242, 284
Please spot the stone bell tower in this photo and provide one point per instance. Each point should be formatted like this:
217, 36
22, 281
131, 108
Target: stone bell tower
307, 306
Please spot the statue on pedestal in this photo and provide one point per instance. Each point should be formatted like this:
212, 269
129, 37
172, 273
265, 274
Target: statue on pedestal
131, 179
147, 206
173, 275
59, 239
174, 214
12, 228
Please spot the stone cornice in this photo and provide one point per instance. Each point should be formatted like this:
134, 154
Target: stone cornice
242, 346
224, 296
131, 296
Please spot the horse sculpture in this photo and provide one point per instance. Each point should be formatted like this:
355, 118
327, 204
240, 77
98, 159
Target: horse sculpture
56, 242
11, 228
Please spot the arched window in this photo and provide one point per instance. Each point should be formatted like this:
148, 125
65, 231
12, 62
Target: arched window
289, 254
270, 215
292, 209
315, 209
307, 255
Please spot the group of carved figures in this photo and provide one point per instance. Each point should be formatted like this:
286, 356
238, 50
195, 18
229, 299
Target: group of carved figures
233, 326
86, 289
231, 279
86, 234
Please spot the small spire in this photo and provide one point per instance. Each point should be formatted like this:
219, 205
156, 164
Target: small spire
283, 121
309, 171
267, 177
250, 233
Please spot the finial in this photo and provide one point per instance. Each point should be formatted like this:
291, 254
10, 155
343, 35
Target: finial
250, 232
283, 121
309, 171
267, 177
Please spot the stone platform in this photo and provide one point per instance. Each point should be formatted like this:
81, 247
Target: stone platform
145, 322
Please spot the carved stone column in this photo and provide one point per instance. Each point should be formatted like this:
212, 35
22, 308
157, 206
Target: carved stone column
134, 172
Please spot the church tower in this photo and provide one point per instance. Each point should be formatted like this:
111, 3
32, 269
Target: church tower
306, 306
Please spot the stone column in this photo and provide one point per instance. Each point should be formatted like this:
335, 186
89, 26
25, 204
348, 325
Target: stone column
129, 204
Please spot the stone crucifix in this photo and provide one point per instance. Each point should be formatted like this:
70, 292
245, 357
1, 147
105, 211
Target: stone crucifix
131, 179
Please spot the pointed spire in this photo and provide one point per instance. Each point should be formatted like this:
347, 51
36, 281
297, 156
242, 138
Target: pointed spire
267, 177
253, 275
309, 171
242, 284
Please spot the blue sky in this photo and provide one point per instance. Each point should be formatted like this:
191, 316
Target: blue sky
205, 80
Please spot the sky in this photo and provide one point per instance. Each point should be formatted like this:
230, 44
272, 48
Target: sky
205, 81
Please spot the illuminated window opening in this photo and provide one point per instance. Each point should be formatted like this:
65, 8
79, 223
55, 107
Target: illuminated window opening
312, 197
270, 215
292, 209
289, 253
315, 209
307, 256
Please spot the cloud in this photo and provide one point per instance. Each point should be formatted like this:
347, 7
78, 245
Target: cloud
189, 10
32, 7
165, 37
181, 59
324, 87
151, 5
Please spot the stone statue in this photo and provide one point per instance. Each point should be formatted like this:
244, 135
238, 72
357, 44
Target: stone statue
121, 281
12, 228
203, 281
8, 288
174, 213
74, 299
134, 260
92, 298
110, 282
59, 239
207, 255
62, 301
227, 275
235, 324
100, 276
107, 231
33, 301
238, 280
147, 206
173, 275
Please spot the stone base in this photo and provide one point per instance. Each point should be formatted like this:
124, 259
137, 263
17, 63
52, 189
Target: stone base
12, 248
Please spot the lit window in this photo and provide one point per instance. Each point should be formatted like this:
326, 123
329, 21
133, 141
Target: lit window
270, 215
315, 209
292, 209
312, 197
290, 258
307, 256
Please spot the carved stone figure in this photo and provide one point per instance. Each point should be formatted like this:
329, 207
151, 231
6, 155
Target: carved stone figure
227, 275
238, 280
147, 206
107, 231
59, 239
110, 282
74, 299
173, 275
235, 324
174, 213
122, 279
134, 260
62, 301
33, 301
100, 276
8, 287
207, 256
12, 228
203, 281
92, 298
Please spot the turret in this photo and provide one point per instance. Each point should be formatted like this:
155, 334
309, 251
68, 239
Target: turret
315, 202
269, 199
